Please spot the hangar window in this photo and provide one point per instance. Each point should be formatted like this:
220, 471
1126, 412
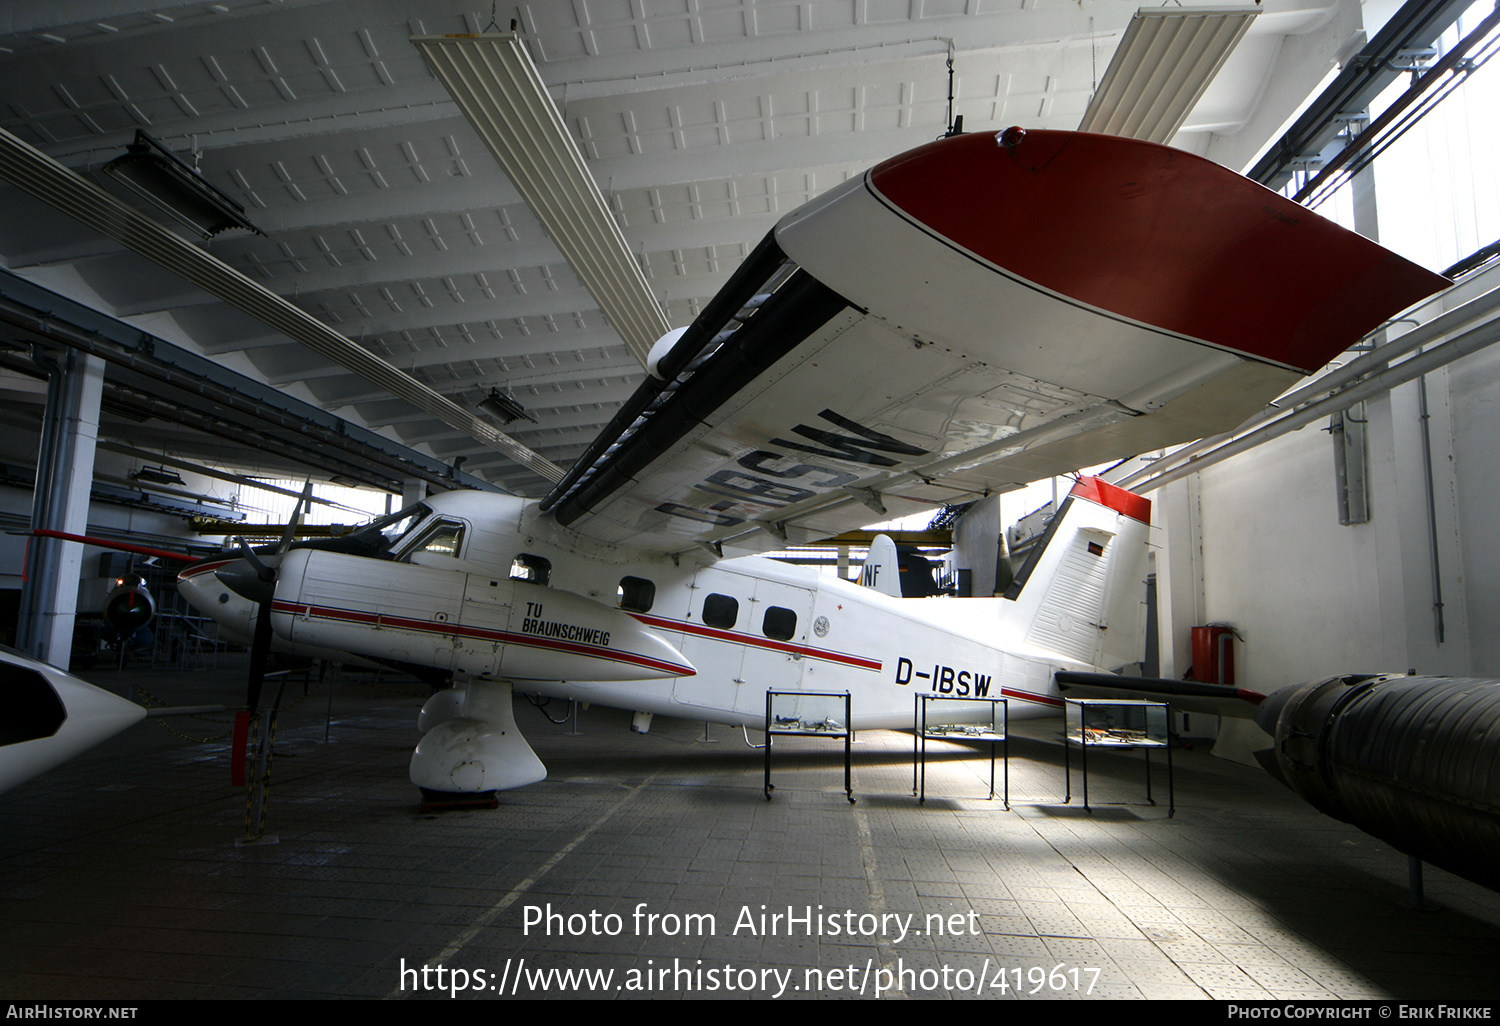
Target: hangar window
720, 611
779, 623
533, 569
635, 594
444, 538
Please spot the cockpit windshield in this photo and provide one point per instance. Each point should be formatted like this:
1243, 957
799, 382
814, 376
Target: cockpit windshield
377, 538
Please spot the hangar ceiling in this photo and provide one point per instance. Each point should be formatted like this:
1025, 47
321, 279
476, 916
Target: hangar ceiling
703, 121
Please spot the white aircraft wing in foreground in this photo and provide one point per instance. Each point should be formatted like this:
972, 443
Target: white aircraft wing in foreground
981, 312
52, 716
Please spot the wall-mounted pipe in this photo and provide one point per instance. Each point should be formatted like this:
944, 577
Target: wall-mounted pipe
1439, 356
1478, 309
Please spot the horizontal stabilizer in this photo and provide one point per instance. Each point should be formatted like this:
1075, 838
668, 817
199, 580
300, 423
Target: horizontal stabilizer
1182, 695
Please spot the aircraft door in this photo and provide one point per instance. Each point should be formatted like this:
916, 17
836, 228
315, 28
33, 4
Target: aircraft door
713, 640
777, 631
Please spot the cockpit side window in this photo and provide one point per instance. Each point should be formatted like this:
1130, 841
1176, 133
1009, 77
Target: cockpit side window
636, 594
440, 538
535, 569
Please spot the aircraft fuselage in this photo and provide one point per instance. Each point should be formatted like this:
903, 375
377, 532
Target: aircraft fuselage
486, 588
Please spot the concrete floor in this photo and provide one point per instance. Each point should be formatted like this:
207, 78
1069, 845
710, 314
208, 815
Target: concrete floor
141, 892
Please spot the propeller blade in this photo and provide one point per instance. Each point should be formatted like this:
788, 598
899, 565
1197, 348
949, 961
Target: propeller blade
260, 653
304, 503
265, 571
255, 579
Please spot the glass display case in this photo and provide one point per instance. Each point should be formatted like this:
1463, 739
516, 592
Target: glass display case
1094, 723
959, 719
809, 714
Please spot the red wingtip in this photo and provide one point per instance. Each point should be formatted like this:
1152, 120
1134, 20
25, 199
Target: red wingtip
1113, 497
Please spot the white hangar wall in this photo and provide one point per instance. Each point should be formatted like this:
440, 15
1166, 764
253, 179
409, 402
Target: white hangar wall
1255, 541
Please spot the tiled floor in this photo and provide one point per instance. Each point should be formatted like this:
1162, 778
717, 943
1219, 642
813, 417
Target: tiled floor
141, 892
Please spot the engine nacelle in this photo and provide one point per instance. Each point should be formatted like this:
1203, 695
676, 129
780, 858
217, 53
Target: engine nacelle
1414, 761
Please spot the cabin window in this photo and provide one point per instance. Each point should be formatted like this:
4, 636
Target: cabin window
720, 611
444, 538
635, 594
532, 569
779, 623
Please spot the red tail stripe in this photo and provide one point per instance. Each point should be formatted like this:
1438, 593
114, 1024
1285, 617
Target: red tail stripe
1114, 497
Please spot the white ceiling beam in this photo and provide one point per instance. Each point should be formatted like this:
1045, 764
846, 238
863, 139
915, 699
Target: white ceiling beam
564, 304
31, 170
567, 387
495, 260
1021, 26
427, 350
301, 119
613, 389
581, 416
834, 156
568, 364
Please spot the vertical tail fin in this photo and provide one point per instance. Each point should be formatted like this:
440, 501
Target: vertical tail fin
1082, 592
882, 570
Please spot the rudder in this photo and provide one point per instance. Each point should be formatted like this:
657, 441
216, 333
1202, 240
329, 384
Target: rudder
1082, 592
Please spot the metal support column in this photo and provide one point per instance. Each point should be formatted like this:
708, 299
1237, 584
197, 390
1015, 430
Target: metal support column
64, 478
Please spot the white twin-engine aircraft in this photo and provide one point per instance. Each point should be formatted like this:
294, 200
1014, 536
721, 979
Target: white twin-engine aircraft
981, 312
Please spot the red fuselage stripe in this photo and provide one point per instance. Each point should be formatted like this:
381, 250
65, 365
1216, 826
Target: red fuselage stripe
1026, 696
459, 630
744, 639
204, 567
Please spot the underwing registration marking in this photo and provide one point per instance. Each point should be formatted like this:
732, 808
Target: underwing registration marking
763, 483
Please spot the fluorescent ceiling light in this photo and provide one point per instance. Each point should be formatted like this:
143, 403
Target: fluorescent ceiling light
497, 87
1164, 63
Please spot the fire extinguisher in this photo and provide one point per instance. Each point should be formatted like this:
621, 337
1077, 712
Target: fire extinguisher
1213, 653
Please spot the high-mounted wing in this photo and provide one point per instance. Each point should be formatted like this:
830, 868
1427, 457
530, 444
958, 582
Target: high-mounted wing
978, 313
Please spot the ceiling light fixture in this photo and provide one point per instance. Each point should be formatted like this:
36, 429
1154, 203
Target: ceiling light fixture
503, 407
158, 475
1164, 63
158, 175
